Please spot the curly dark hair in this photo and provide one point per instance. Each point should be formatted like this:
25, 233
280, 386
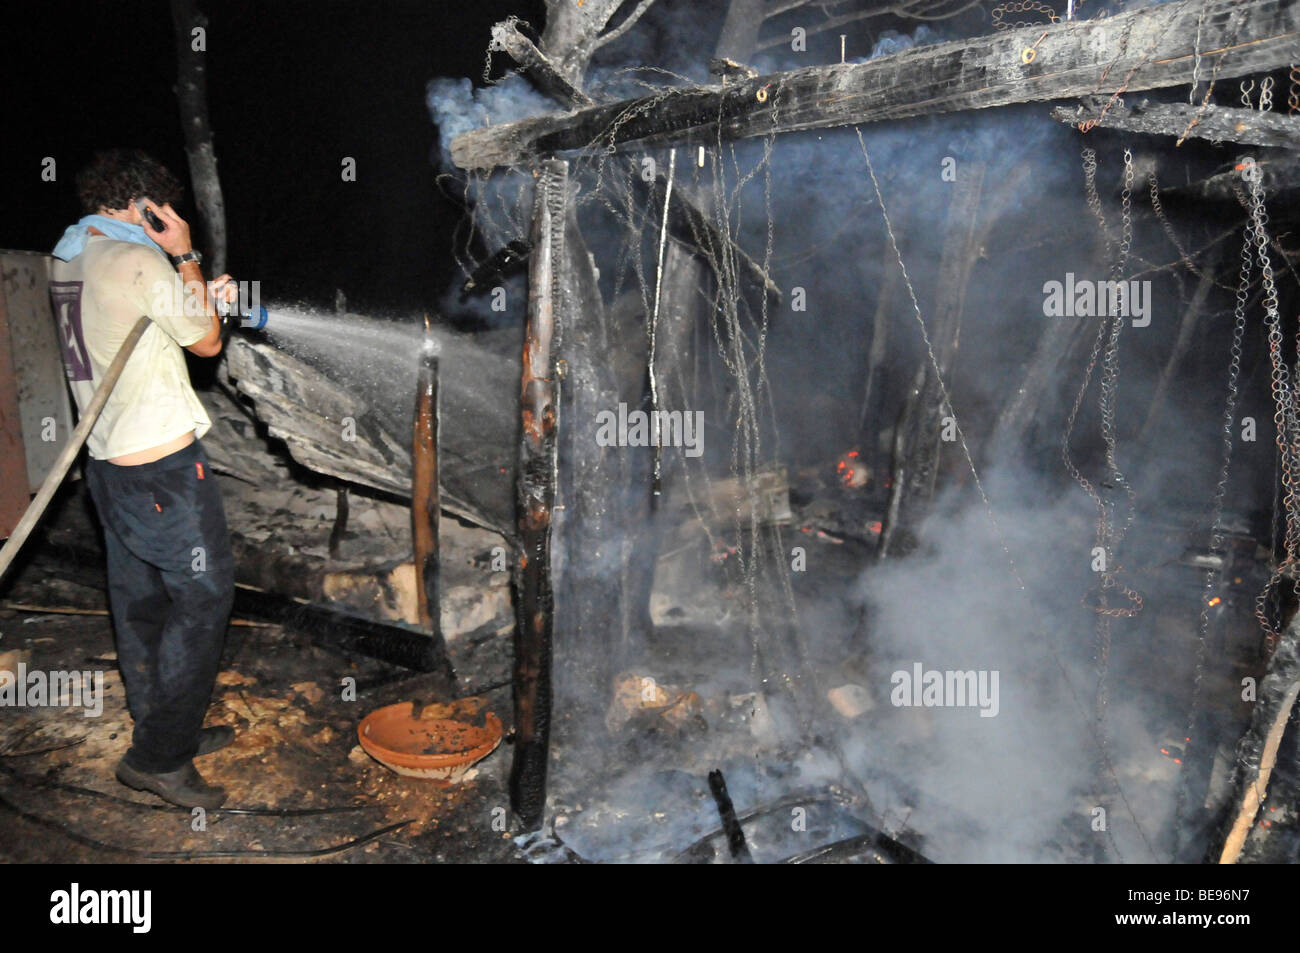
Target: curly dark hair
115, 177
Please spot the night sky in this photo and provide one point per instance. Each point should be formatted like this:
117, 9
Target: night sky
293, 88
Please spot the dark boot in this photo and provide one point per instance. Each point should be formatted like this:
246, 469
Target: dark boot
214, 739
184, 786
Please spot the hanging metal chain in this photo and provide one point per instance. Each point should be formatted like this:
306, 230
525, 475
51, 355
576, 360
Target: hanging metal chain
1109, 535
1021, 6
1246, 89
1240, 16
1184, 256
1293, 97
1266, 94
1093, 198
1286, 420
1091, 124
1094, 203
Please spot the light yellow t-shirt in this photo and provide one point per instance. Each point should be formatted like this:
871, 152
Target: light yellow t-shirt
98, 297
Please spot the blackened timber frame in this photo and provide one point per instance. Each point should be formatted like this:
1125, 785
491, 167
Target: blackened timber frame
1157, 46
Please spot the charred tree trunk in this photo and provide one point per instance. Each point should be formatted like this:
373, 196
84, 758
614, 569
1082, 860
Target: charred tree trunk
533, 593
739, 36
192, 94
574, 32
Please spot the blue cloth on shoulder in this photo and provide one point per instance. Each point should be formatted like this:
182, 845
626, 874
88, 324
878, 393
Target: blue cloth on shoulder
74, 239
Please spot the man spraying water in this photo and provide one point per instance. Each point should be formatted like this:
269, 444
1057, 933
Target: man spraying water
170, 566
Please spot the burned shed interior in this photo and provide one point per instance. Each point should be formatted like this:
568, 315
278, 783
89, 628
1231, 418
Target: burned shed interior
859, 431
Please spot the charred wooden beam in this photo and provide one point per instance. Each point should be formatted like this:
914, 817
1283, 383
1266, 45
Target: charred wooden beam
1150, 48
339, 632
536, 65
687, 223
533, 593
324, 625
1257, 750
426, 505
1215, 123
727, 813
501, 264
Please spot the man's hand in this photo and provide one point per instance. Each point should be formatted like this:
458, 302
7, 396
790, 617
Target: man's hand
175, 239
224, 289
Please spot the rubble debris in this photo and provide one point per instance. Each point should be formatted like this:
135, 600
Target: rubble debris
637, 693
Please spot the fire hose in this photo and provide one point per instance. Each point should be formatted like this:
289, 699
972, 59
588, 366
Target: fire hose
36, 509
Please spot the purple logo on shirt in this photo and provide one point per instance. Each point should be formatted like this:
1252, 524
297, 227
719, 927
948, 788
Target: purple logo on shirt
66, 296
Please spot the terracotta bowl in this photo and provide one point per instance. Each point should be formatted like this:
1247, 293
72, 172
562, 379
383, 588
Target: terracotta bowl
441, 745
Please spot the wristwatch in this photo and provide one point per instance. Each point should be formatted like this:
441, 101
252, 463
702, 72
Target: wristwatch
191, 255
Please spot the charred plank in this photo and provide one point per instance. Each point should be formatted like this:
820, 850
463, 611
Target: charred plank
1215, 123
1147, 49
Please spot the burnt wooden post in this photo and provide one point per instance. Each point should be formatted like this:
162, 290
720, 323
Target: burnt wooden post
533, 594
1258, 747
426, 504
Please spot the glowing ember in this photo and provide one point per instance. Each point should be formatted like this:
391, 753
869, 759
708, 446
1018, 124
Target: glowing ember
721, 551
852, 472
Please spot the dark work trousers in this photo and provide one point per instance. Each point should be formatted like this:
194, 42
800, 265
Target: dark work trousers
171, 582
